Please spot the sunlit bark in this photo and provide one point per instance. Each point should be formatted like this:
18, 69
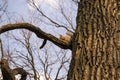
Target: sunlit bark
96, 47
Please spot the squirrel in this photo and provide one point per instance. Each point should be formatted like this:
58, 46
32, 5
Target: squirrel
67, 38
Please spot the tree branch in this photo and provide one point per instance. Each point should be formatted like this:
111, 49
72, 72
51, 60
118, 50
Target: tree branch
20, 71
9, 74
37, 31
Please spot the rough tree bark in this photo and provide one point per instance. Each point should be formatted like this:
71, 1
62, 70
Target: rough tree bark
96, 47
96, 42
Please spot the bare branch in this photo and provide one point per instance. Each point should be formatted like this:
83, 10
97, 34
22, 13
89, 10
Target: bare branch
20, 71
37, 31
2, 51
9, 74
52, 21
67, 19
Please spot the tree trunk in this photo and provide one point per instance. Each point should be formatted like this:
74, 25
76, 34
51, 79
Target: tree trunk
96, 43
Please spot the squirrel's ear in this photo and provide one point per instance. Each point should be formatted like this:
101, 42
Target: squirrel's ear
61, 36
69, 33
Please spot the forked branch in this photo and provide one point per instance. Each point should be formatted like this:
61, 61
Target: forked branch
41, 34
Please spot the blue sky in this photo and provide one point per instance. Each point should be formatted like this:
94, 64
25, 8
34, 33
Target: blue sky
18, 6
21, 6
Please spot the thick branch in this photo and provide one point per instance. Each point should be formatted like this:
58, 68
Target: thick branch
37, 31
20, 71
9, 74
